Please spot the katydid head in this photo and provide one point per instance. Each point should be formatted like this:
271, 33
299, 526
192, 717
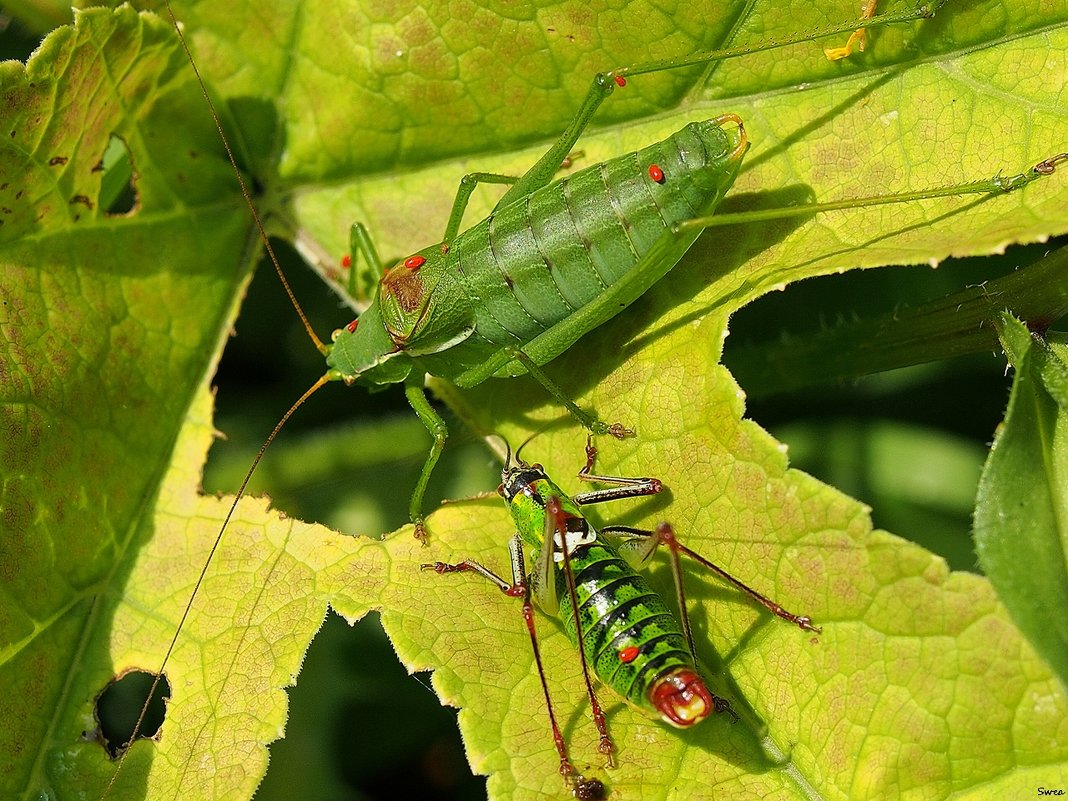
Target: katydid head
518, 479
364, 352
414, 314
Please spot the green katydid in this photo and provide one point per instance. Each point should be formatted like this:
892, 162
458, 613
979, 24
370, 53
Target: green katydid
622, 629
554, 260
516, 359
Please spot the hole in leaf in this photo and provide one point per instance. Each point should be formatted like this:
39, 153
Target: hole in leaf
121, 702
118, 196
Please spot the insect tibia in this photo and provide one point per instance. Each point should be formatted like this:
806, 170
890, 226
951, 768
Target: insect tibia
666, 535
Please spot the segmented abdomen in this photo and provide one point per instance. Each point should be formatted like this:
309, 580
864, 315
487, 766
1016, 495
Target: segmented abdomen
629, 635
538, 260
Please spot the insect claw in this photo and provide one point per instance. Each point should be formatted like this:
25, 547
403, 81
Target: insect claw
1049, 165
607, 749
723, 705
619, 431
420, 532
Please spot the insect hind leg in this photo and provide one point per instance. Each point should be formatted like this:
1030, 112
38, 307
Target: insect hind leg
644, 543
666, 535
604, 83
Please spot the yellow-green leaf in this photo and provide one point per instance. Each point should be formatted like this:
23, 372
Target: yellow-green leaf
920, 685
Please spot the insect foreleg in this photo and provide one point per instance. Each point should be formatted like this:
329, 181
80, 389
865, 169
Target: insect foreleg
360, 243
416, 395
628, 488
625, 487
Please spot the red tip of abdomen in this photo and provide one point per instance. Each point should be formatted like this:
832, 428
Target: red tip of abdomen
682, 698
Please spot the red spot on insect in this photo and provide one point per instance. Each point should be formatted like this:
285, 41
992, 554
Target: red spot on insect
346, 261
656, 173
414, 262
629, 654
620, 80
351, 327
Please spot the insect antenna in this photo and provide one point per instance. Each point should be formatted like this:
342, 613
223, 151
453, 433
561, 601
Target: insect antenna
530, 439
247, 195
203, 572
507, 448
518, 459
244, 188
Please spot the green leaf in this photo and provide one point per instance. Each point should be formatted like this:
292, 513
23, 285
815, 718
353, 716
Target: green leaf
950, 326
932, 501
1021, 516
110, 324
347, 111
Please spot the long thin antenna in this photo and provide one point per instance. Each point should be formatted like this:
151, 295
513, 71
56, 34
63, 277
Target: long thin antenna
244, 187
203, 572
